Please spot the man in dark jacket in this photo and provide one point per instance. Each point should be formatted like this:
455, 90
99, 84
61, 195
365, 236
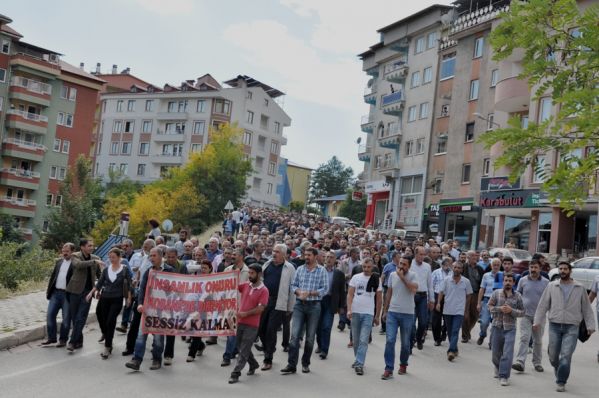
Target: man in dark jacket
332, 302
57, 297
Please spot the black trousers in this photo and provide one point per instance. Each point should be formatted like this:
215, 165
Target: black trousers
286, 330
110, 308
270, 321
196, 345
169, 347
438, 323
134, 329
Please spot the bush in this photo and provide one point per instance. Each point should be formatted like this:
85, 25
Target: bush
20, 262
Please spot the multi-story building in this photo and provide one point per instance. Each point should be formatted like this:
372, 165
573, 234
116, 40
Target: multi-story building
48, 119
401, 91
145, 130
295, 182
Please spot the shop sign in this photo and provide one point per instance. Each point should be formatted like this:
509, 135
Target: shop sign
356, 196
377, 186
456, 209
433, 210
498, 184
510, 199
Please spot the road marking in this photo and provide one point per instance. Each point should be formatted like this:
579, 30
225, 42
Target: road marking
46, 365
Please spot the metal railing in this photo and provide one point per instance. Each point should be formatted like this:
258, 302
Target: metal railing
36, 117
364, 148
25, 144
170, 132
394, 66
18, 202
367, 119
20, 172
393, 98
32, 85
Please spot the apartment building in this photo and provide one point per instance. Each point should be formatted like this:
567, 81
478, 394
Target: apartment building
403, 71
145, 129
47, 114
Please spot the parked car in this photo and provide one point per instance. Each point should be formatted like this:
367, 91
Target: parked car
400, 233
521, 258
584, 271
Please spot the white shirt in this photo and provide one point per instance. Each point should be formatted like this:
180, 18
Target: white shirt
113, 274
363, 302
424, 276
237, 216
61, 279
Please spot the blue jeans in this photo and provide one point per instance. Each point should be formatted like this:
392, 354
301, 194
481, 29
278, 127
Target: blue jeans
485, 317
58, 301
454, 323
305, 317
79, 309
405, 322
140, 346
421, 314
325, 324
562, 343
361, 326
126, 317
503, 350
230, 348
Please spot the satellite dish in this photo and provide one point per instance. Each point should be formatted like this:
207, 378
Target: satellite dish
167, 225
359, 140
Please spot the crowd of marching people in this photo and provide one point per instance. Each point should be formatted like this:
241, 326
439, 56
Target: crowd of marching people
297, 272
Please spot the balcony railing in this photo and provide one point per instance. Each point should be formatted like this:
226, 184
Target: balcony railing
31, 85
393, 98
394, 66
28, 115
367, 119
18, 202
370, 90
476, 18
364, 148
169, 154
20, 172
170, 132
24, 144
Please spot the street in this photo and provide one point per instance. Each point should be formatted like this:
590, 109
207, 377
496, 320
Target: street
32, 371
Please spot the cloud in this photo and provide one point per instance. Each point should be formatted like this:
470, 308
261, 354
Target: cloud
171, 7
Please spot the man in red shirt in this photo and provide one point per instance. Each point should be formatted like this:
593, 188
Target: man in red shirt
253, 299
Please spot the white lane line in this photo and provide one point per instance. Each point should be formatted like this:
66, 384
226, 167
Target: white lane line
47, 365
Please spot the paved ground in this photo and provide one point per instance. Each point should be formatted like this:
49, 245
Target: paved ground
32, 371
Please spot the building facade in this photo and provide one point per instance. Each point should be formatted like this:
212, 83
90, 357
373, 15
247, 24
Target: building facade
48, 116
145, 130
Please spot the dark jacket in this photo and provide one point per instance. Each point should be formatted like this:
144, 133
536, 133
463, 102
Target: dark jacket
52, 281
119, 288
78, 271
338, 293
144, 281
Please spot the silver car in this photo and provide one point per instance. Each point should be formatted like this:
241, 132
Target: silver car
584, 271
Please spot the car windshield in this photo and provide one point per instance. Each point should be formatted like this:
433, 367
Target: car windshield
520, 254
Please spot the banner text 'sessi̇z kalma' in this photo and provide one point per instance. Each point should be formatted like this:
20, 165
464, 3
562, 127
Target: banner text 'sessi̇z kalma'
191, 305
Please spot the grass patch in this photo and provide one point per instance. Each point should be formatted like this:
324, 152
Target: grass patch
24, 287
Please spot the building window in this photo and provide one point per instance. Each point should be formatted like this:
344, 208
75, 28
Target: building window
146, 126
1, 103
409, 148
53, 172
141, 169
473, 90
378, 160
126, 148
119, 106
45, 226
419, 45
420, 146
274, 147
411, 185
479, 44
118, 126
264, 122
64, 92
111, 167
129, 125
5, 46
56, 147
277, 128
466, 173
250, 117
64, 119
201, 106
144, 148
58, 201
269, 188
114, 148
2, 75
271, 168
437, 186
431, 40
66, 146
247, 138
486, 167
544, 109
469, 136
249, 95
130, 105
49, 199
72, 94
175, 128
265, 102
494, 77
199, 126
441, 145
539, 176
196, 147
62, 172
544, 232
257, 183
448, 66
412, 113
123, 168
490, 121
427, 75
424, 110
415, 82
149, 105
222, 106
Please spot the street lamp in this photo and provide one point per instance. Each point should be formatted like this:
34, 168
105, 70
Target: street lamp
481, 117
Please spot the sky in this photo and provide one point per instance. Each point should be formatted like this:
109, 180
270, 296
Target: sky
305, 48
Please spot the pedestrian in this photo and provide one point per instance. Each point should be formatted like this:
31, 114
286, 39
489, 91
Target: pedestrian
438, 322
399, 312
388, 269
155, 232
57, 298
253, 299
424, 298
332, 302
592, 295
197, 346
364, 305
171, 259
474, 273
183, 233
128, 252
505, 306
113, 286
239, 266
565, 303
484, 294
455, 294
531, 287
310, 283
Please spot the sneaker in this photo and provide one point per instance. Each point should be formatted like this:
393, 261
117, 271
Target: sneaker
287, 370
317, 351
403, 369
437, 343
155, 365
168, 361
518, 366
480, 340
450, 356
70, 347
539, 368
387, 375
323, 355
106, 353
560, 388
189, 359
233, 379
359, 370
353, 365
305, 369
504, 382
341, 327
496, 373
133, 364
225, 362
121, 329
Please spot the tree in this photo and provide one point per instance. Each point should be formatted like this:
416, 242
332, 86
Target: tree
296, 206
353, 209
330, 178
79, 209
8, 231
561, 46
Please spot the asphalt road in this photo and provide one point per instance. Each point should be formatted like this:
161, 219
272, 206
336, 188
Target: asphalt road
33, 371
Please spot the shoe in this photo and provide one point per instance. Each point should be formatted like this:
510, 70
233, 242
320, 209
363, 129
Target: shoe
233, 379
258, 347
189, 359
70, 347
286, 349
78, 346
504, 382
323, 355
437, 343
201, 351
480, 340
252, 370
359, 370
450, 356
225, 362
353, 365
61, 344
133, 364
403, 369
168, 361
465, 340
121, 329
518, 366
211, 342
387, 374
305, 369
126, 353
106, 353
560, 388
48, 342
341, 327
539, 368
317, 351
101, 339
266, 366
287, 370
419, 345
350, 344
155, 365
496, 373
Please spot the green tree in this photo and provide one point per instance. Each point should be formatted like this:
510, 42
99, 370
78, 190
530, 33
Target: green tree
8, 231
560, 43
330, 178
81, 199
296, 206
353, 209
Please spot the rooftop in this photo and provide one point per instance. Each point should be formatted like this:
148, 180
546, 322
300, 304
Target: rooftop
416, 15
299, 166
251, 82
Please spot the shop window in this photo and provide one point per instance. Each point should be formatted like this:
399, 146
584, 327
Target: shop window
544, 232
517, 232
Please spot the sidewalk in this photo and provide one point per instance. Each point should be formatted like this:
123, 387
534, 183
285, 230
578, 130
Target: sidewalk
23, 319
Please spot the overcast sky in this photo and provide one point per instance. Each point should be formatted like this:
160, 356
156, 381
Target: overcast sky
306, 48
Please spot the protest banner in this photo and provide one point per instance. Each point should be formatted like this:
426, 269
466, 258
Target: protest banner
191, 305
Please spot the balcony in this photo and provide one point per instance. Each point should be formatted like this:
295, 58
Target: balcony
283, 139
389, 168
374, 71
392, 139
367, 124
512, 95
30, 90
169, 136
364, 153
18, 207
167, 158
23, 149
370, 94
469, 23
20, 178
24, 120
396, 72
393, 103
401, 45
27, 232
172, 116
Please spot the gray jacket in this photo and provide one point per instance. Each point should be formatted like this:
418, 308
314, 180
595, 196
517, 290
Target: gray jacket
570, 312
285, 299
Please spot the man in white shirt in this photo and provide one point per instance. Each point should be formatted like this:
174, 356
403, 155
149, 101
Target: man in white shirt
425, 296
56, 296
